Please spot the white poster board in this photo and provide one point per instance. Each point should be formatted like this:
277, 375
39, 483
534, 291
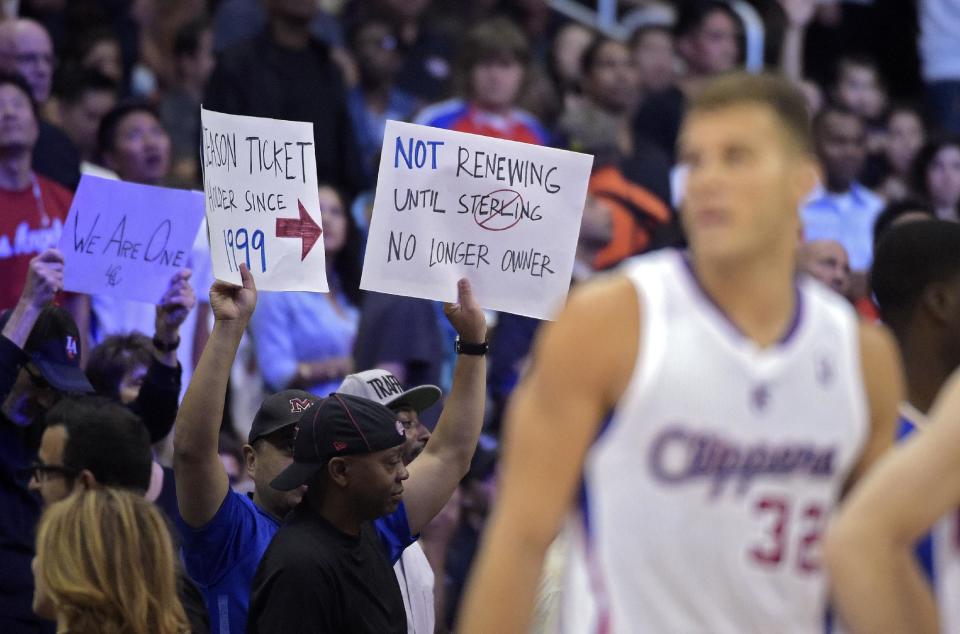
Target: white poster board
260, 186
127, 240
503, 214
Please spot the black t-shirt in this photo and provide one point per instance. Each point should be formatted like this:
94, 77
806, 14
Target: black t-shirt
314, 578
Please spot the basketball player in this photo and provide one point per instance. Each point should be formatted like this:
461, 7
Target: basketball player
696, 417
916, 279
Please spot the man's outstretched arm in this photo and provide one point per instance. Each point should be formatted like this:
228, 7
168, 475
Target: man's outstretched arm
581, 365
202, 482
436, 472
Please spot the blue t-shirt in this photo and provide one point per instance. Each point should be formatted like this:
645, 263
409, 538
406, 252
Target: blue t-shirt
223, 556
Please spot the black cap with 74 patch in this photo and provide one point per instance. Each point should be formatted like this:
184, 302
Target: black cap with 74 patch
339, 425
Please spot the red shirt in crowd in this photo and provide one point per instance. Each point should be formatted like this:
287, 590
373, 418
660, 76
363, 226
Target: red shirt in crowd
31, 221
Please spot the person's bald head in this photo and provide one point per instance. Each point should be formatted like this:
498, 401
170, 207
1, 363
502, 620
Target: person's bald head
26, 49
827, 261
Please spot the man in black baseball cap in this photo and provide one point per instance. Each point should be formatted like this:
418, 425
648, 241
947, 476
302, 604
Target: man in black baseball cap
39, 363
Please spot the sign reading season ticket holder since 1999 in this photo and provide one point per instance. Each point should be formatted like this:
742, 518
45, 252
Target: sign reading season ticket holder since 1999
503, 214
261, 201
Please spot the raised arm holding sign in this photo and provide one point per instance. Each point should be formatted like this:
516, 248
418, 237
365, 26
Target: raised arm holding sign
505, 215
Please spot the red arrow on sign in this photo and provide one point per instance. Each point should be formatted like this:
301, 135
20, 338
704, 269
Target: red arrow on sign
304, 228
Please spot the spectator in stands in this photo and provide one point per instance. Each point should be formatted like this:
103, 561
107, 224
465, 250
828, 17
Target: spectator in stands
133, 142
936, 176
413, 570
84, 99
284, 73
349, 455
93, 443
630, 173
26, 49
193, 63
100, 50
569, 44
226, 534
654, 55
708, 39
304, 340
105, 563
905, 135
841, 208
375, 99
826, 260
239, 20
39, 363
493, 63
32, 208
428, 51
859, 88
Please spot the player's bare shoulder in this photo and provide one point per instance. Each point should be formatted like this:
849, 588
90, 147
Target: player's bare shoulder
596, 336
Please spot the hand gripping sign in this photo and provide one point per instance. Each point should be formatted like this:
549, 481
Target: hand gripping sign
506, 215
260, 186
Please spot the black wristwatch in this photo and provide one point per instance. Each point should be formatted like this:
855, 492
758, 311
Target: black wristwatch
477, 349
165, 347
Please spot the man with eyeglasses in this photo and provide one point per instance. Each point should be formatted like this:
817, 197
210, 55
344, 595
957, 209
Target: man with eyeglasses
39, 362
27, 50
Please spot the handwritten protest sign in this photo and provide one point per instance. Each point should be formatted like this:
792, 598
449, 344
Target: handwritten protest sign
260, 182
503, 214
127, 240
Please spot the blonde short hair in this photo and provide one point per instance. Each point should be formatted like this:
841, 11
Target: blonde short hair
106, 560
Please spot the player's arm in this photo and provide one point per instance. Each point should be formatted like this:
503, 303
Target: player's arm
877, 584
202, 482
581, 365
883, 381
437, 471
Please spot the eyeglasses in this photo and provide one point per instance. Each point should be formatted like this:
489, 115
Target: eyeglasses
41, 471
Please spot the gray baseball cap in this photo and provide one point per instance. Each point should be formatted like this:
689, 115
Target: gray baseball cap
384, 388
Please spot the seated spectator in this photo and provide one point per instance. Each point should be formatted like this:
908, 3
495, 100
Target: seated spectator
26, 49
304, 340
905, 135
98, 50
630, 173
841, 208
654, 55
84, 99
494, 60
82, 544
859, 88
39, 363
133, 142
708, 38
936, 176
571, 40
285, 73
375, 99
193, 63
93, 443
826, 260
32, 208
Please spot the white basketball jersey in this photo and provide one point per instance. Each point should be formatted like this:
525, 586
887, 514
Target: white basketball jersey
946, 567
705, 495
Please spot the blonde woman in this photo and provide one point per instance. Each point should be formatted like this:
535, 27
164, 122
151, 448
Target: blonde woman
105, 564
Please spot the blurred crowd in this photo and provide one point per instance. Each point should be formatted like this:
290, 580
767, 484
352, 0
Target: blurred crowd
113, 88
